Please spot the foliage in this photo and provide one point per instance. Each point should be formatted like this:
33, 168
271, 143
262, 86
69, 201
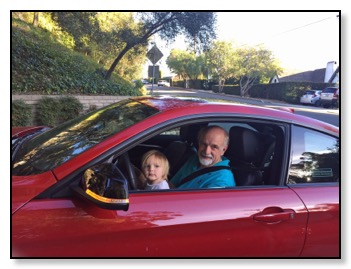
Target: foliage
70, 107
289, 92
42, 65
100, 35
168, 25
255, 64
53, 111
198, 29
80, 25
103, 35
139, 84
45, 22
20, 113
185, 64
48, 111
221, 61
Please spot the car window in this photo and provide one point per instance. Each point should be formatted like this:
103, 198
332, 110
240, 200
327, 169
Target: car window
260, 168
175, 131
60, 144
315, 157
329, 90
227, 125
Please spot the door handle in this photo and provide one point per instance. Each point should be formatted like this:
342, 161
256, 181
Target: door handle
274, 215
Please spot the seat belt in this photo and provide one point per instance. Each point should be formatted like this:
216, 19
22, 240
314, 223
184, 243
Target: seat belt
201, 172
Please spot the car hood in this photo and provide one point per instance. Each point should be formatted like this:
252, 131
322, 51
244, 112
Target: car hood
26, 188
21, 131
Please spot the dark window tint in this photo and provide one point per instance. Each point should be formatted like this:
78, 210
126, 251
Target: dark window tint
329, 90
315, 157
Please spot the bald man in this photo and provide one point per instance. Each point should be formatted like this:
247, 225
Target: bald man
213, 142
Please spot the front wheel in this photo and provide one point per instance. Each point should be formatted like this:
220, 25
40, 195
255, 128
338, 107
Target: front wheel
317, 103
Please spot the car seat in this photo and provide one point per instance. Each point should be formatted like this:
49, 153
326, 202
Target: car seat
178, 152
245, 152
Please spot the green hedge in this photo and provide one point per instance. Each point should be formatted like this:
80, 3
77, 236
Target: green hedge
53, 111
289, 92
21, 113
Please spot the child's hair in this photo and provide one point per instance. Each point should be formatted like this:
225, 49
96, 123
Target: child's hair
159, 155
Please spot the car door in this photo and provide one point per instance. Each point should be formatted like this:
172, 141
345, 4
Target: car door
314, 175
237, 222
221, 223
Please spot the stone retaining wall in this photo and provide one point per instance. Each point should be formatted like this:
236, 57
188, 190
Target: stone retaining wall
88, 101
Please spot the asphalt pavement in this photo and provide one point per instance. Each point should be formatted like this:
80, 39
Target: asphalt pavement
249, 100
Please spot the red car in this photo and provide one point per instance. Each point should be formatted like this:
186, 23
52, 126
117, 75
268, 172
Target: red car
285, 202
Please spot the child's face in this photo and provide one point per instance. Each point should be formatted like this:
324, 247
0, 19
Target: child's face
153, 170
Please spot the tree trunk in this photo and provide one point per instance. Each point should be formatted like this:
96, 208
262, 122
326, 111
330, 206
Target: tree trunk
116, 61
36, 19
245, 86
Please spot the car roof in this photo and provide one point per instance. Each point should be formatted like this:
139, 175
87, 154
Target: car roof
197, 106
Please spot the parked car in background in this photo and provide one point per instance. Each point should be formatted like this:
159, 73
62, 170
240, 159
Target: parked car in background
329, 97
311, 97
75, 191
163, 83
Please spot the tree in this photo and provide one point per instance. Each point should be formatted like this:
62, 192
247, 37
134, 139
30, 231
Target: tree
168, 25
255, 65
221, 61
81, 25
113, 28
35, 19
185, 64
100, 35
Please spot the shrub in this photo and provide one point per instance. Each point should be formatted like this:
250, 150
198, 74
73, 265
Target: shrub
53, 111
48, 111
70, 107
20, 113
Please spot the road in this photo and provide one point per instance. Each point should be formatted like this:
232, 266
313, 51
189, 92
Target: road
327, 115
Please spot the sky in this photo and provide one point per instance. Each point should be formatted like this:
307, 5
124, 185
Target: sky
290, 53
301, 41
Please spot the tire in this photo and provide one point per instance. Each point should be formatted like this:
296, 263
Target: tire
317, 103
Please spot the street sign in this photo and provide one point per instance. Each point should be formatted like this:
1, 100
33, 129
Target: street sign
154, 54
153, 70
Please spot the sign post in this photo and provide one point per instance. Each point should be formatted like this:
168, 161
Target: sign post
154, 55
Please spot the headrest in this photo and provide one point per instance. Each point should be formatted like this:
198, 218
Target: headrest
190, 132
244, 144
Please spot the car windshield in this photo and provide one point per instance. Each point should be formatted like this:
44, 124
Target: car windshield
310, 92
60, 144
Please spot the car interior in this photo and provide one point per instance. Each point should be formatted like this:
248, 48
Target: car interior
255, 150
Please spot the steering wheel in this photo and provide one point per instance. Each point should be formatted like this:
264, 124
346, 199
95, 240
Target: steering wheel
130, 171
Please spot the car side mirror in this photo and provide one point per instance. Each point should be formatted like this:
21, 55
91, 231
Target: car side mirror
105, 186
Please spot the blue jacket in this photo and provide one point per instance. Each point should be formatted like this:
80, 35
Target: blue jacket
217, 179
